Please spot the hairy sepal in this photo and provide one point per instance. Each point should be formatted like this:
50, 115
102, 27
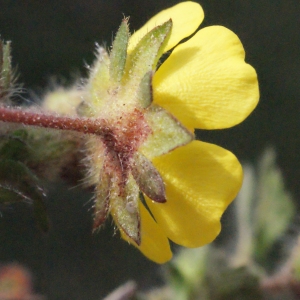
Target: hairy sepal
145, 92
167, 133
119, 53
148, 178
125, 210
145, 56
102, 194
99, 81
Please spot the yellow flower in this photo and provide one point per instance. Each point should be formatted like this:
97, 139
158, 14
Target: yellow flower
206, 84
145, 118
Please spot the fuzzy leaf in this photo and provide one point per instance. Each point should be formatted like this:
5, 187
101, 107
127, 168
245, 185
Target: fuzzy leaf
167, 133
148, 178
119, 52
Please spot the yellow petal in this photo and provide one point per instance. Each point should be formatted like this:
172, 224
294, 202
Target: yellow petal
186, 17
205, 82
201, 180
154, 242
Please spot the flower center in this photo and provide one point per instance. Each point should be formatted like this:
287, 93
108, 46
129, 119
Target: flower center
122, 139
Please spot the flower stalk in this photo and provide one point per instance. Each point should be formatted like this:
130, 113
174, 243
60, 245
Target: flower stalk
96, 126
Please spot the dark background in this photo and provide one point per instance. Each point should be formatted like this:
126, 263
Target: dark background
56, 38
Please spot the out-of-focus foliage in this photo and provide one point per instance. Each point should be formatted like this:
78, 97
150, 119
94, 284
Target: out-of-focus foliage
274, 207
27, 156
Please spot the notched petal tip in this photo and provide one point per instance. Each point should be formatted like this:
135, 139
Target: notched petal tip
186, 17
201, 179
206, 83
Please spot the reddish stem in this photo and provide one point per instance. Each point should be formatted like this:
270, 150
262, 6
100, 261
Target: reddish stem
79, 124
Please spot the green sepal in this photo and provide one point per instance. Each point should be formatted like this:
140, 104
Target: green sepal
148, 178
99, 83
167, 133
146, 54
145, 93
18, 183
119, 52
125, 210
98, 177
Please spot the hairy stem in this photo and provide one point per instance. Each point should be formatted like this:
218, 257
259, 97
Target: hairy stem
27, 117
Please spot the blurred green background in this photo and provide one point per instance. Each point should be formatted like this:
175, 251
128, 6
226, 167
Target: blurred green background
54, 39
